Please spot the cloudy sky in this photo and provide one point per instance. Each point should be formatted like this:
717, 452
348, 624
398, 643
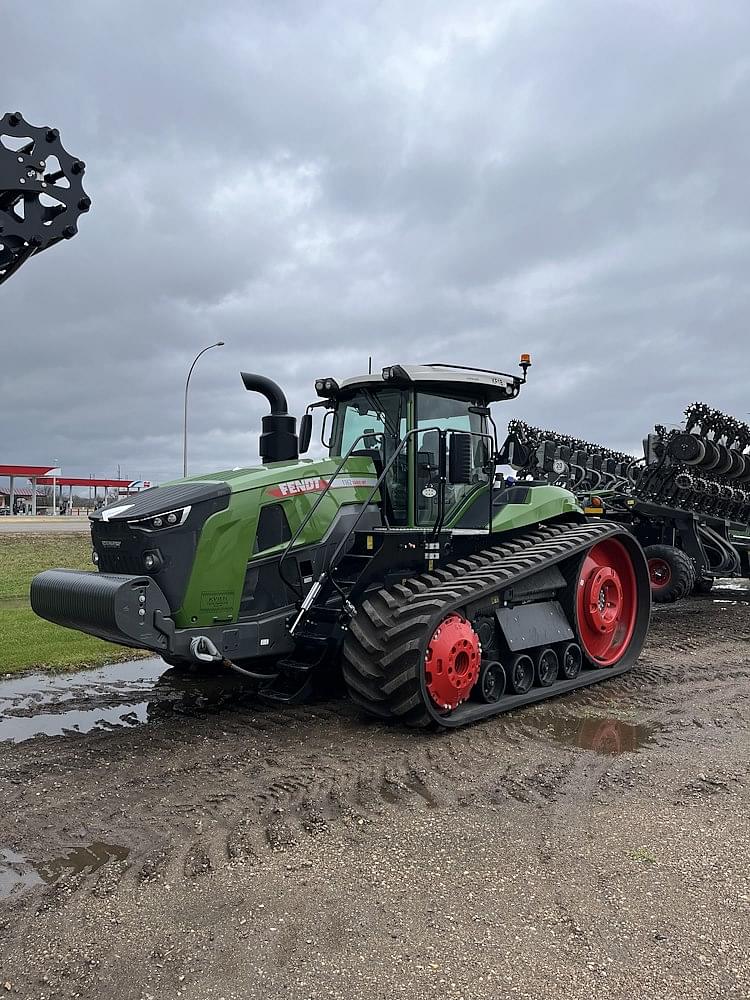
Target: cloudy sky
313, 182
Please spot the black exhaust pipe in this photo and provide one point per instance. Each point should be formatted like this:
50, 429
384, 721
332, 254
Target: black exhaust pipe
279, 441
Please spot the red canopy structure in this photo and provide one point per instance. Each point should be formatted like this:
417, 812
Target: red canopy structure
32, 472
108, 484
48, 475
28, 471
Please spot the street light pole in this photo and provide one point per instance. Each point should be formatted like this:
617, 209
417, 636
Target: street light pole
219, 343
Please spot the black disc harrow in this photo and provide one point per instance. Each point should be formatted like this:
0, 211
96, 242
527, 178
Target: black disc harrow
704, 469
383, 655
41, 192
568, 461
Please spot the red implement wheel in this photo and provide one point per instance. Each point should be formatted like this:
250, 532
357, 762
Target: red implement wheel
606, 602
671, 573
451, 663
659, 573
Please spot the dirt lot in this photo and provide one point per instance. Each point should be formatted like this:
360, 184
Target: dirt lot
595, 846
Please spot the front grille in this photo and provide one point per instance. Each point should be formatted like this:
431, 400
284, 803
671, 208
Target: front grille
121, 549
115, 561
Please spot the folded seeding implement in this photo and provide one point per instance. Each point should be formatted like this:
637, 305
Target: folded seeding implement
687, 500
41, 192
394, 562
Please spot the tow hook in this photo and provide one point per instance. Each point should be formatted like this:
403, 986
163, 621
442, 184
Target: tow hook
202, 649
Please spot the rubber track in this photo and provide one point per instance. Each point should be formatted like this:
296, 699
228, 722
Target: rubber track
384, 649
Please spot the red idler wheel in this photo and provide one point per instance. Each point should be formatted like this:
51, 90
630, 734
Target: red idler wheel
659, 573
451, 663
606, 602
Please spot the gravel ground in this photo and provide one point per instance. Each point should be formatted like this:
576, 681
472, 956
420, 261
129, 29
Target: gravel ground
593, 846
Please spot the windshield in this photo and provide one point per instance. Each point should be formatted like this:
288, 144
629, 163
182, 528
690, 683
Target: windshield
442, 413
375, 421
379, 420
369, 413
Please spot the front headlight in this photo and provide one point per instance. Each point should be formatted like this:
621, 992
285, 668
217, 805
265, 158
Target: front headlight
152, 561
159, 522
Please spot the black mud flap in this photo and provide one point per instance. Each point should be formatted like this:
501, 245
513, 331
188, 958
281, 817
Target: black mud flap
530, 625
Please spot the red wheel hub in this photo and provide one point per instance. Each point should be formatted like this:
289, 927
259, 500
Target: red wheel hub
607, 602
659, 573
451, 663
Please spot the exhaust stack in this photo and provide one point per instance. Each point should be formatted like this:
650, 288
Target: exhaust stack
278, 440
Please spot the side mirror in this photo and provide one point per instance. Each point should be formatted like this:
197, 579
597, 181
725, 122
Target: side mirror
305, 432
460, 459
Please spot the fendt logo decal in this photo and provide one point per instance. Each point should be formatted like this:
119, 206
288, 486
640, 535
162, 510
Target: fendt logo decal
295, 487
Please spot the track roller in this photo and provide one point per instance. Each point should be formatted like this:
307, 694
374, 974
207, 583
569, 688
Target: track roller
491, 685
546, 666
521, 674
571, 660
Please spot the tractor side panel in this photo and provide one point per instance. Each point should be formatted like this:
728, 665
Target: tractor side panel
230, 544
543, 503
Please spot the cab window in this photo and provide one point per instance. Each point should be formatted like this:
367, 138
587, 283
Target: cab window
436, 413
379, 419
370, 413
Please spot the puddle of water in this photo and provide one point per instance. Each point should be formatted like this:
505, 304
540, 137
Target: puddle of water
56, 704
600, 733
122, 695
18, 874
81, 860
730, 590
14, 729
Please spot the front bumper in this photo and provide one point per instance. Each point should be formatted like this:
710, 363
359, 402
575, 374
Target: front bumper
133, 611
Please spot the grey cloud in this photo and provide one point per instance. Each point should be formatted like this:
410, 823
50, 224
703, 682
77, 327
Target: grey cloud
314, 183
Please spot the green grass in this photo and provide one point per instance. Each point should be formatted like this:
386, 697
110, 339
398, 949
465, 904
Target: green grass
28, 642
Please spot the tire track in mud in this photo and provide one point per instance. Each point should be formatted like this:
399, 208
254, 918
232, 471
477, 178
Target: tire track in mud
189, 795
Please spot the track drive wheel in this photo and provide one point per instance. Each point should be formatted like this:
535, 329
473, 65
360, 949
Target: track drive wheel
451, 663
671, 573
392, 685
608, 601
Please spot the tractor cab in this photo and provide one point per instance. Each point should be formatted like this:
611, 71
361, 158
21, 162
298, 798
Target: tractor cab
428, 431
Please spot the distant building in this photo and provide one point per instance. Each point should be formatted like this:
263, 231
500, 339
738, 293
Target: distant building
23, 500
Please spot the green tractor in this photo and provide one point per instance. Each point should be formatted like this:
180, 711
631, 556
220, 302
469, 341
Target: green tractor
399, 563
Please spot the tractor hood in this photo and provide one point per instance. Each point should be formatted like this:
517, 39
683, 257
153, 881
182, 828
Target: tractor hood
173, 499
304, 475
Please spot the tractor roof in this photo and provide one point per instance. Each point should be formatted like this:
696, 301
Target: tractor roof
489, 386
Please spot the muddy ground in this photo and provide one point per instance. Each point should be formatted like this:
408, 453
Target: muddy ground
200, 846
